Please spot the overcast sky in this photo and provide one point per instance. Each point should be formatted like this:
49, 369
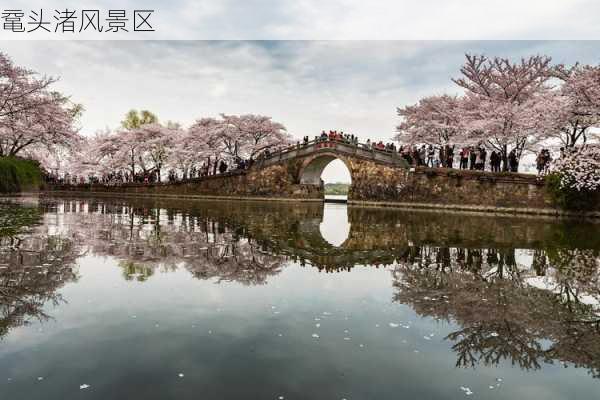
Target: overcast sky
308, 86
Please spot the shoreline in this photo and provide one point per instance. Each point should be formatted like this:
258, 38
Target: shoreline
469, 209
478, 210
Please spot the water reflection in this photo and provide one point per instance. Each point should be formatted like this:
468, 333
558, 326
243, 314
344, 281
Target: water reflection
33, 267
335, 227
526, 291
541, 313
145, 239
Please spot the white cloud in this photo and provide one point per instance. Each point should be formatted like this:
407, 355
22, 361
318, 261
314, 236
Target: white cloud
308, 86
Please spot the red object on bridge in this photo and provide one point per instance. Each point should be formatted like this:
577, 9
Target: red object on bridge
326, 144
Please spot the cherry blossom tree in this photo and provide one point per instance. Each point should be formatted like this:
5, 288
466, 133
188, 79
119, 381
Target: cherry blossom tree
136, 144
257, 133
109, 152
82, 159
579, 168
31, 116
53, 161
505, 103
129, 149
578, 103
225, 138
103, 153
245, 136
236, 136
20, 90
157, 142
434, 120
190, 147
203, 139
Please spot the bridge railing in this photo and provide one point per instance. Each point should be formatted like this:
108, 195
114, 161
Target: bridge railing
278, 155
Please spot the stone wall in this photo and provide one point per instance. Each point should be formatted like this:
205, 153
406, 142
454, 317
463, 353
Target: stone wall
376, 182
453, 189
276, 181
444, 186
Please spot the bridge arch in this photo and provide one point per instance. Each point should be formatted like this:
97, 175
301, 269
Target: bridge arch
313, 166
373, 172
322, 235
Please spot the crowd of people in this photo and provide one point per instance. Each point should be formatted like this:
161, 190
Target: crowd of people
152, 176
467, 158
470, 157
335, 136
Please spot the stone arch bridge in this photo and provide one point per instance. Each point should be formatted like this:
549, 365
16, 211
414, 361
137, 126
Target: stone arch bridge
378, 176
370, 169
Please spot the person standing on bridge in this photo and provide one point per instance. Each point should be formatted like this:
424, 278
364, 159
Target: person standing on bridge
422, 155
464, 158
478, 160
222, 167
513, 161
416, 156
449, 155
495, 161
472, 157
430, 155
483, 158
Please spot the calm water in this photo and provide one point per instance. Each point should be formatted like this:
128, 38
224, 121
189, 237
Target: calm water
115, 299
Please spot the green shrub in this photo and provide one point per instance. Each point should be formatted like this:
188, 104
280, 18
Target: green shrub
337, 188
15, 220
18, 174
567, 197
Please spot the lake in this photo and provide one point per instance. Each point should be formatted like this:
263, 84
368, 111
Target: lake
165, 299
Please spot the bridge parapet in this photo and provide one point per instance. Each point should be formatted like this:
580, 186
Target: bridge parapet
343, 148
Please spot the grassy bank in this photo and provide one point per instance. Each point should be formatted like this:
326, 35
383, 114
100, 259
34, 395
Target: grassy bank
17, 174
337, 188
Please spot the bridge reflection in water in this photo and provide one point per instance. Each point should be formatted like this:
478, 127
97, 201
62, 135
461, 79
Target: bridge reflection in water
524, 290
335, 227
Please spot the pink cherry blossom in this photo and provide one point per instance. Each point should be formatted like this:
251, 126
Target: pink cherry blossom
433, 120
33, 118
579, 168
578, 106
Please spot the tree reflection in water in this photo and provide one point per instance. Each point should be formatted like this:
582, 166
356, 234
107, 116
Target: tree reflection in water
506, 311
145, 239
33, 266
